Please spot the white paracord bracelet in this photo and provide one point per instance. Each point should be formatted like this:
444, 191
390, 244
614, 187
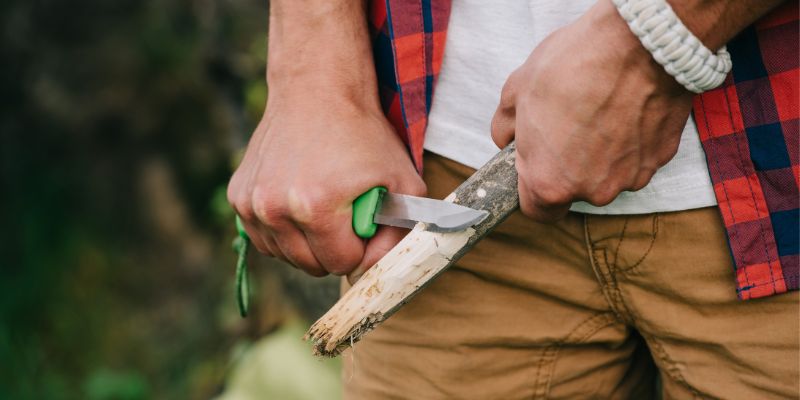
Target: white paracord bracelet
672, 45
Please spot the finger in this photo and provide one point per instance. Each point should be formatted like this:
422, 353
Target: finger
642, 179
334, 243
503, 124
380, 244
504, 119
257, 238
293, 244
264, 241
534, 207
273, 248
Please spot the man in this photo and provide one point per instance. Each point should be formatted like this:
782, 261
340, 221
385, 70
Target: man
636, 281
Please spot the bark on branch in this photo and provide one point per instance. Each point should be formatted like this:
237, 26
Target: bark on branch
417, 259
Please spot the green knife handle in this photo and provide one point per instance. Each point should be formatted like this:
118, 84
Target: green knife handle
364, 208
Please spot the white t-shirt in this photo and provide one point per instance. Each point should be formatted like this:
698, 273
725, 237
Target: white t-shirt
486, 41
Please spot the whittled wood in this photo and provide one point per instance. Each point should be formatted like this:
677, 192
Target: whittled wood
419, 258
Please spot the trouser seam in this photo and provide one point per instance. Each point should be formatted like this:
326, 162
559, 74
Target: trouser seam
656, 220
671, 366
621, 239
606, 271
603, 275
546, 363
618, 303
608, 285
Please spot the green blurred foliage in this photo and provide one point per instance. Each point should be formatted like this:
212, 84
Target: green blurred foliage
278, 367
118, 120
104, 384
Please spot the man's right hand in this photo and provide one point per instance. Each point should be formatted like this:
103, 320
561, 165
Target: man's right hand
323, 141
307, 161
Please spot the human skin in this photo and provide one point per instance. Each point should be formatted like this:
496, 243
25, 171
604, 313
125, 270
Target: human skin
593, 114
323, 141
590, 111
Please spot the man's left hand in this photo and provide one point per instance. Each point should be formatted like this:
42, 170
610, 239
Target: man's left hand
592, 115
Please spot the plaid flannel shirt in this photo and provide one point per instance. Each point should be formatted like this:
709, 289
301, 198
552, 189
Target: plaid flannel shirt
748, 127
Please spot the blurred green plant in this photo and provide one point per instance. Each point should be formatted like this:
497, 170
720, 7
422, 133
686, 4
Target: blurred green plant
118, 120
105, 384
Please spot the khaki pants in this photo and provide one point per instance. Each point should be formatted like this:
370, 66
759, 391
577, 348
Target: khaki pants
591, 307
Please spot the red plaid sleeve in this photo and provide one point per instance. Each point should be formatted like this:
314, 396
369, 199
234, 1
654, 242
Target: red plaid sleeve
409, 37
749, 131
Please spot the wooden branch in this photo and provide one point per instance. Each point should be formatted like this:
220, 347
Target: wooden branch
417, 259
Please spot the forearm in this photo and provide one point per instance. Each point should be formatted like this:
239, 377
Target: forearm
321, 48
715, 22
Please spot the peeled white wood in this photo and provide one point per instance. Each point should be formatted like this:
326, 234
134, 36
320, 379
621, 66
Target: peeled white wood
417, 259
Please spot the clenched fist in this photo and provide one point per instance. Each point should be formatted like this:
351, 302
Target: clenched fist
592, 115
307, 161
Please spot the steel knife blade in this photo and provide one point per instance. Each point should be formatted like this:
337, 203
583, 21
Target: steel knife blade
438, 215
378, 206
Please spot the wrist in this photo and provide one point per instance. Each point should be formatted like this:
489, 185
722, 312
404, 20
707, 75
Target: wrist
702, 18
331, 87
715, 22
615, 37
321, 51
325, 67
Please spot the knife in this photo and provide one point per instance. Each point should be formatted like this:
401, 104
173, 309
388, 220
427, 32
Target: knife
379, 207
376, 206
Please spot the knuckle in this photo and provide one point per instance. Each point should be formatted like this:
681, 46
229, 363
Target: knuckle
643, 179
266, 207
236, 199
499, 125
232, 194
665, 158
603, 196
546, 189
308, 206
638, 185
668, 151
245, 210
508, 94
552, 193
